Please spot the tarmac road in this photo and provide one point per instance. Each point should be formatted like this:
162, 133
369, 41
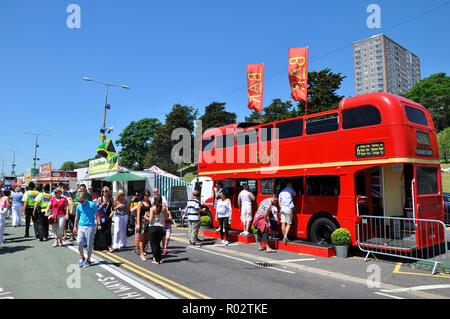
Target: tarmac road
33, 269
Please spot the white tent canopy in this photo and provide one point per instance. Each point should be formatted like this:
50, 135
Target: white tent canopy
157, 170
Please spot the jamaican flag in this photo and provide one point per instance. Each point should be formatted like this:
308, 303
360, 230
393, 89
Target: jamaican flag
107, 150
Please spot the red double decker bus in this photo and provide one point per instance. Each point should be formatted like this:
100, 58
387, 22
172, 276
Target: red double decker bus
379, 147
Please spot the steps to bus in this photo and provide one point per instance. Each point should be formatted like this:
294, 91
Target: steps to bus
295, 246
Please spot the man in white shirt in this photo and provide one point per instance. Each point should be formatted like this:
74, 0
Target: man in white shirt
156, 192
245, 199
286, 209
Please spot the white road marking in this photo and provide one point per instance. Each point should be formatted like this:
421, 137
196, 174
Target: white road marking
239, 259
417, 288
127, 279
386, 295
291, 260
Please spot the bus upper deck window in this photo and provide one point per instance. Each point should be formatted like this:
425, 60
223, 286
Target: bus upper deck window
246, 137
360, 116
322, 124
415, 115
208, 143
225, 141
289, 129
266, 133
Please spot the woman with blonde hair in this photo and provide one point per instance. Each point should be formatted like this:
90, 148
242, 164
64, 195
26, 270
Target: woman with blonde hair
103, 238
120, 221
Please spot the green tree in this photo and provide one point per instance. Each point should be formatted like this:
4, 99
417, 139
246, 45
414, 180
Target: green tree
433, 93
322, 87
68, 166
135, 140
159, 151
444, 143
216, 116
276, 111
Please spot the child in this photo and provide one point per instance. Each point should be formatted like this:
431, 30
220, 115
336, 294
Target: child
273, 219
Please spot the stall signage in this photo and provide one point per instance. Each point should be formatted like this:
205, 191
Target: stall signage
102, 165
45, 171
64, 174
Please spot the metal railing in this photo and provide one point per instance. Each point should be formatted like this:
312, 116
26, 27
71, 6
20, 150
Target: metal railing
412, 238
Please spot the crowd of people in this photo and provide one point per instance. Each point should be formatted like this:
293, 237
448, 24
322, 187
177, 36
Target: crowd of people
85, 218
266, 217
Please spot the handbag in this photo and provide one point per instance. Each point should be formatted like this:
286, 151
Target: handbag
3, 207
52, 219
131, 226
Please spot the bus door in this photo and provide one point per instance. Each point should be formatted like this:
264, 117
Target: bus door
363, 194
298, 222
228, 188
253, 188
428, 205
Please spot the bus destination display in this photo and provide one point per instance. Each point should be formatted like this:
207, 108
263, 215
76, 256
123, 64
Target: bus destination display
369, 150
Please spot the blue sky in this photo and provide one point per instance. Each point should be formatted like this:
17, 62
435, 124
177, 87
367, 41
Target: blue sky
187, 52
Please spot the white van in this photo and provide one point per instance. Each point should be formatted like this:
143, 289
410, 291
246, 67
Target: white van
205, 185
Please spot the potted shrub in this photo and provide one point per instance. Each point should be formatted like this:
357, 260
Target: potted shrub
341, 239
205, 221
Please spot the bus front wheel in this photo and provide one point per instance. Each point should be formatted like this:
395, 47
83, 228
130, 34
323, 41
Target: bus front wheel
321, 230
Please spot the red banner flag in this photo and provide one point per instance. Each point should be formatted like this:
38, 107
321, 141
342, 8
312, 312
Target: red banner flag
298, 73
255, 81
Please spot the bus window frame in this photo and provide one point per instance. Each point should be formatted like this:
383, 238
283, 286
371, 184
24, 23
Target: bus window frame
224, 138
361, 126
328, 117
244, 133
278, 131
405, 106
417, 167
261, 188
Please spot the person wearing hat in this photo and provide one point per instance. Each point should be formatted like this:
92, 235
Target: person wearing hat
28, 207
40, 206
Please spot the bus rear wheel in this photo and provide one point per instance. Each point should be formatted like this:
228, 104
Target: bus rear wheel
321, 230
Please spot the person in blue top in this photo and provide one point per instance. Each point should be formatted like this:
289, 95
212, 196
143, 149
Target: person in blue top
85, 227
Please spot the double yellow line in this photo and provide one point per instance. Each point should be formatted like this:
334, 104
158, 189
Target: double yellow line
160, 280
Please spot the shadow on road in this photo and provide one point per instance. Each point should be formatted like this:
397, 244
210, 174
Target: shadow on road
9, 250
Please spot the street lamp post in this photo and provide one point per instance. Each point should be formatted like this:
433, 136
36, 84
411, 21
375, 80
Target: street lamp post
35, 159
103, 130
14, 161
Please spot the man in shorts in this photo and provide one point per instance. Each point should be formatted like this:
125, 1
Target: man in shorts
245, 205
85, 227
192, 211
286, 199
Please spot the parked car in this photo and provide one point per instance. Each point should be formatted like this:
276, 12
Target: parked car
446, 197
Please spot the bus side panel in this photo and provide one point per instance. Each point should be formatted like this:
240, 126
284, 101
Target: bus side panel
315, 204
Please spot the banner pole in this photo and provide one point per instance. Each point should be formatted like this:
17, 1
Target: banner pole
306, 104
